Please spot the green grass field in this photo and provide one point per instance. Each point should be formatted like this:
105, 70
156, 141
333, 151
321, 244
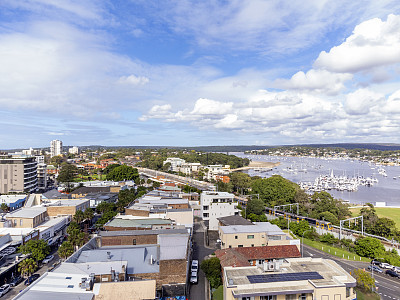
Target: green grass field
341, 253
364, 296
388, 212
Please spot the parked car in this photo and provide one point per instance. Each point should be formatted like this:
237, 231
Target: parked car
392, 273
396, 269
16, 280
4, 289
375, 262
375, 268
195, 265
48, 259
386, 266
31, 279
193, 278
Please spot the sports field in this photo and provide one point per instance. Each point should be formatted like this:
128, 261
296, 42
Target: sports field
388, 212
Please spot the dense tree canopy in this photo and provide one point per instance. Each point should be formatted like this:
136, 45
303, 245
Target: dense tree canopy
369, 247
67, 173
255, 206
38, 249
275, 190
212, 269
122, 173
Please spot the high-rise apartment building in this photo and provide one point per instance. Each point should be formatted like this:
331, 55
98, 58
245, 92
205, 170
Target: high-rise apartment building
55, 148
73, 150
18, 174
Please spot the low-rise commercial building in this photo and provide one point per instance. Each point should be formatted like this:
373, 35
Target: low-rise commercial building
63, 207
26, 217
124, 222
215, 205
294, 278
13, 201
254, 235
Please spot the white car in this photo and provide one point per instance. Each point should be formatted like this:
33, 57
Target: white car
48, 259
195, 266
396, 269
386, 266
193, 278
4, 289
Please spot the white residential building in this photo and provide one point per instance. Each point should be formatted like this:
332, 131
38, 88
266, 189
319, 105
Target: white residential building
175, 162
55, 148
215, 205
215, 170
73, 150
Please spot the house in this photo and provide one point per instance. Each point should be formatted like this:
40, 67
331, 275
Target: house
255, 256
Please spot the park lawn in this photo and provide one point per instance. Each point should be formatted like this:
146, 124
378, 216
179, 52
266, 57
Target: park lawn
338, 252
85, 178
218, 294
388, 212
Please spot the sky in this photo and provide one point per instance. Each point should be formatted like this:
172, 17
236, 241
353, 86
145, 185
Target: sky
190, 73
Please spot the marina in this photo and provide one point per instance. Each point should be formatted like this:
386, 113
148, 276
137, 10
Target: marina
350, 180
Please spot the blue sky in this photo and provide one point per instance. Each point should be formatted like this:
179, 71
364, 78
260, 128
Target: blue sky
198, 72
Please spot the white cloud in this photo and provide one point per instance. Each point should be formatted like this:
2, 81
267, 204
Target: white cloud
134, 80
320, 81
211, 107
374, 43
362, 101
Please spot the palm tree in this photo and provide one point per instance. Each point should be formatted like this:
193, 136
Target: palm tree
88, 214
79, 216
27, 266
4, 207
66, 249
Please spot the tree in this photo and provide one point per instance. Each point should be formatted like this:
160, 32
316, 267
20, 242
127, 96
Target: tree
27, 266
4, 207
104, 207
299, 228
274, 190
109, 168
255, 206
122, 173
76, 237
369, 247
212, 269
57, 160
38, 249
328, 216
67, 175
79, 216
364, 279
73, 225
240, 181
88, 214
66, 249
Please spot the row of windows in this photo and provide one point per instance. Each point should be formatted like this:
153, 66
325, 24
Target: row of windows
273, 297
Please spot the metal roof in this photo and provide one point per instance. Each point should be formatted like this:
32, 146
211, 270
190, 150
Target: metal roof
142, 232
256, 227
26, 212
173, 246
142, 223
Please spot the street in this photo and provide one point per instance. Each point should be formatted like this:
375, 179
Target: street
197, 291
387, 287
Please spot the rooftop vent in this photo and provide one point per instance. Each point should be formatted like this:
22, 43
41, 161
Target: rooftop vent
108, 255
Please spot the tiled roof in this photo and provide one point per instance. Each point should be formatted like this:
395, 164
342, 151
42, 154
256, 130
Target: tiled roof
240, 257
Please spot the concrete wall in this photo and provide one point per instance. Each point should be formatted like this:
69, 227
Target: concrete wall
236, 239
11, 178
136, 212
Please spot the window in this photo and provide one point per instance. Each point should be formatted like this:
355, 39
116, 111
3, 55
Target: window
303, 297
252, 245
205, 207
236, 237
134, 241
260, 261
70, 286
230, 246
274, 237
240, 246
271, 297
290, 297
205, 215
20, 222
250, 236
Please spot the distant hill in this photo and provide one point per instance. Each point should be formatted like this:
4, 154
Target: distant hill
241, 148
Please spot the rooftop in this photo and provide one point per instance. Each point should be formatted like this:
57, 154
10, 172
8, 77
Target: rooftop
91, 189
137, 257
254, 228
26, 212
219, 194
240, 257
173, 246
234, 220
65, 202
301, 275
140, 223
142, 232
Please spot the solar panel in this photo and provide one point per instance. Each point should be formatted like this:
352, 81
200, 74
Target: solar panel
284, 277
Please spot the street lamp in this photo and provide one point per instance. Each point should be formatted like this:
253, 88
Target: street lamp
302, 242
372, 270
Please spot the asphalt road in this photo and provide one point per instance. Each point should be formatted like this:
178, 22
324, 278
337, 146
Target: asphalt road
197, 291
387, 287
